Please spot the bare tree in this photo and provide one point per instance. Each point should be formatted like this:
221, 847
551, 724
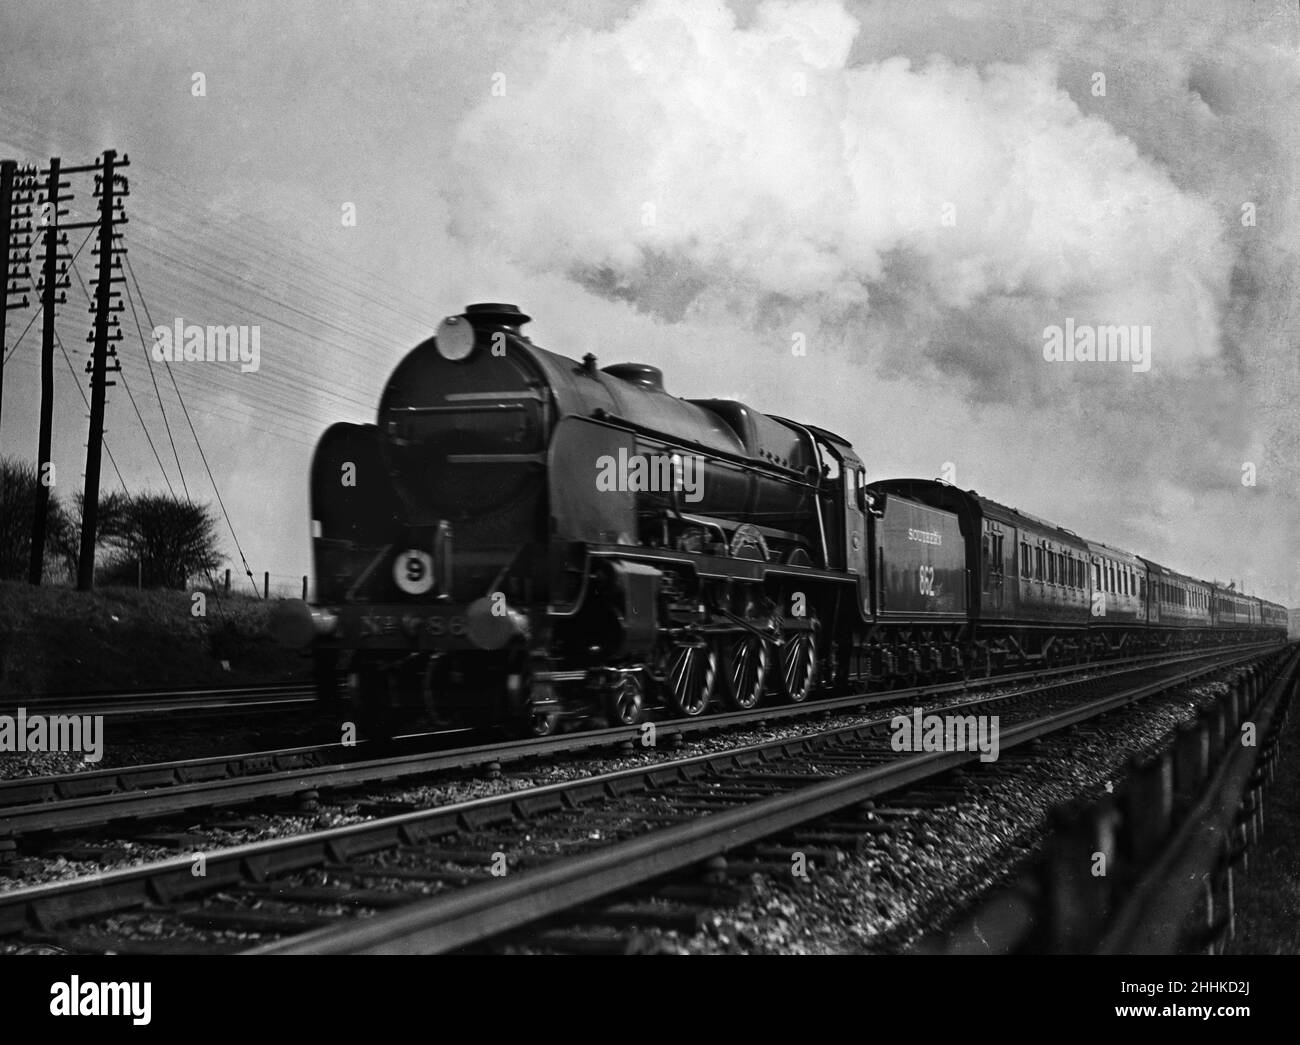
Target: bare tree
159, 540
17, 507
151, 538
110, 531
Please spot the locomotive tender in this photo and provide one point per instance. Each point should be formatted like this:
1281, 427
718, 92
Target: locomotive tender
525, 539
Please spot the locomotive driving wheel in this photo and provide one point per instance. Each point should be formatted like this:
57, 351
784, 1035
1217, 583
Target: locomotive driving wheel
798, 664
744, 670
688, 674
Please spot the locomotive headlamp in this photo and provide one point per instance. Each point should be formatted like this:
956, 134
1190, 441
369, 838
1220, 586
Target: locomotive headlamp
455, 338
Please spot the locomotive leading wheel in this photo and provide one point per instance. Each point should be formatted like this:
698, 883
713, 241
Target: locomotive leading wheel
530, 703
744, 670
625, 699
541, 723
689, 675
798, 668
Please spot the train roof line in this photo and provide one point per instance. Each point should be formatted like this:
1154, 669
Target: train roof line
981, 500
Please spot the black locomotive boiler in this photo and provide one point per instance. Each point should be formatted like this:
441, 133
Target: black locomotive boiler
525, 539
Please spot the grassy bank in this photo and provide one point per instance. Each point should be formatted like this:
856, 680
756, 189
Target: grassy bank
58, 640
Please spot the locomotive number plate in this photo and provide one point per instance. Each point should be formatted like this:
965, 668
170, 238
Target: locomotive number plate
383, 624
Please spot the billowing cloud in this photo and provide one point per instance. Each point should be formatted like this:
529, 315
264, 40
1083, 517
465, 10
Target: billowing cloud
687, 165
924, 194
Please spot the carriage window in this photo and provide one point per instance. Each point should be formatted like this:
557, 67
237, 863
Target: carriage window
1038, 563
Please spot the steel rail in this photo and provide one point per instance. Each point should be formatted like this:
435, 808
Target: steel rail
483, 911
129, 704
175, 788
47, 907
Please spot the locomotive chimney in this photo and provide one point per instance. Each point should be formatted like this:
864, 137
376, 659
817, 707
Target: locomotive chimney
488, 315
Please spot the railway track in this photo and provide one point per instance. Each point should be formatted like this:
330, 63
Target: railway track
451, 877
45, 806
134, 705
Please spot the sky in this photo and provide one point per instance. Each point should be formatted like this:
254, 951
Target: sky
866, 216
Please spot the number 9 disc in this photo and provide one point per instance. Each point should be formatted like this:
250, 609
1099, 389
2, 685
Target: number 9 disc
413, 571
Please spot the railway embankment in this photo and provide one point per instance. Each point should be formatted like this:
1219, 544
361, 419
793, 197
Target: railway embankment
59, 640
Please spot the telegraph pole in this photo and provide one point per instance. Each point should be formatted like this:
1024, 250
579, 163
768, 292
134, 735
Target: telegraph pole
110, 192
15, 240
53, 280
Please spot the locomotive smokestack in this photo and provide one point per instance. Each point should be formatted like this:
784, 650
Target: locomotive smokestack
492, 314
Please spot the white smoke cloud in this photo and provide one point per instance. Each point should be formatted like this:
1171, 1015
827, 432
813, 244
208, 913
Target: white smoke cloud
734, 178
689, 165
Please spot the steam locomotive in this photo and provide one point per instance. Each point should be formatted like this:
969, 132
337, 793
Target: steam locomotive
527, 540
